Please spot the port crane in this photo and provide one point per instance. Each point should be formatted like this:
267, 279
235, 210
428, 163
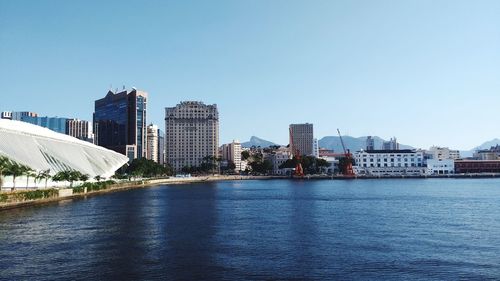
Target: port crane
299, 171
347, 170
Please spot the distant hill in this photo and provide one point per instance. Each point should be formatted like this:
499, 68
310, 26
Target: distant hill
255, 141
486, 145
352, 143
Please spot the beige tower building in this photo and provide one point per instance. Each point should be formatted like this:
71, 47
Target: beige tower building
78, 129
191, 133
152, 143
232, 152
302, 138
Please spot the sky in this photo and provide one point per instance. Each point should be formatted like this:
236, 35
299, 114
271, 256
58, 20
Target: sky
425, 71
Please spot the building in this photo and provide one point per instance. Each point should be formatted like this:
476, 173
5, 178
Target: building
278, 157
152, 143
389, 162
56, 124
302, 138
477, 166
392, 144
161, 147
191, 134
79, 129
442, 153
488, 154
42, 149
231, 152
17, 115
370, 143
315, 148
120, 122
440, 166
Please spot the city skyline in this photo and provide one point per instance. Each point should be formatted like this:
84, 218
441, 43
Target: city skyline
429, 76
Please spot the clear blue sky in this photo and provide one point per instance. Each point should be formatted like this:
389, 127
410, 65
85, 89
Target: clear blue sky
427, 72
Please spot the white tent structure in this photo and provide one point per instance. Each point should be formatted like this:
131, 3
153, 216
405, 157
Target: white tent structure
42, 149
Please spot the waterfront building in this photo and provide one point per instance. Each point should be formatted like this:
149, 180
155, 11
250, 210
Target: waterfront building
42, 149
120, 122
488, 154
161, 147
440, 166
392, 144
278, 157
302, 138
389, 162
152, 143
477, 166
231, 152
79, 129
442, 153
191, 134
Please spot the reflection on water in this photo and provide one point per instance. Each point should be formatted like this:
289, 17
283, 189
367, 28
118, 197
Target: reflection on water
315, 230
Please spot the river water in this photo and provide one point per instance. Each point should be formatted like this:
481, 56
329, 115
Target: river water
425, 229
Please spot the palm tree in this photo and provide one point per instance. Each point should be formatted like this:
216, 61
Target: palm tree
29, 173
16, 170
4, 166
98, 178
43, 175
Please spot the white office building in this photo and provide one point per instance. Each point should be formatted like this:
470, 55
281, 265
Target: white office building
390, 162
152, 143
440, 167
442, 153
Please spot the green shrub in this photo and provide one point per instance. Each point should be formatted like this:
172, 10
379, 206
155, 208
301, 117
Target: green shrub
3, 197
36, 194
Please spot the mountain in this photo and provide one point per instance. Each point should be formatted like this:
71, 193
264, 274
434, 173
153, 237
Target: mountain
486, 145
255, 141
352, 143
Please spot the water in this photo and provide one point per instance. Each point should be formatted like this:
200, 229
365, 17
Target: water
442, 229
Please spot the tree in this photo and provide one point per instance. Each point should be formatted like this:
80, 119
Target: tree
43, 175
16, 170
245, 155
97, 178
4, 166
29, 173
62, 176
84, 177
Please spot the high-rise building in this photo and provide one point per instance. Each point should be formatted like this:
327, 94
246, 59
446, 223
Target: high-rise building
161, 147
191, 134
392, 144
152, 143
79, 129
302, 138
56, 124
442, 153
315, 148
370, 143
17, 115
232, 152
120, 122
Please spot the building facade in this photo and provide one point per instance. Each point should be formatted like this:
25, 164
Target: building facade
441, 167
161, 147
392, 144
120, 122
191, 134
152, 143
302, 138
56, 124
389, 162
278, 157
442, 153
79, 129
477, 166
17, 115
231, 152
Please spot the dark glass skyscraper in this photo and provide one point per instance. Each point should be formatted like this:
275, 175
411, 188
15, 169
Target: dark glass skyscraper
120, 122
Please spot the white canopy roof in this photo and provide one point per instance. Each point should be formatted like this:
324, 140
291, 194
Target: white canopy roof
42, 149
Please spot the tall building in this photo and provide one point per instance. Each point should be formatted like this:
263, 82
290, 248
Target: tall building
191, 133
392, 144
120, 122
370, 143
302, 138
442, 153
161, 147
17, 115
56, 124
315, 148
232, 152
79, 129
152, 143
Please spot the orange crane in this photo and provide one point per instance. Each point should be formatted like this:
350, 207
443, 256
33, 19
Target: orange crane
348, 171
296, 153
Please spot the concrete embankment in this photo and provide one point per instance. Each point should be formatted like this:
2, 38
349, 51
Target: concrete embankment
22, 198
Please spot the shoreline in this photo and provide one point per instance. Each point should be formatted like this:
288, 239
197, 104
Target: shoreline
124, 186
